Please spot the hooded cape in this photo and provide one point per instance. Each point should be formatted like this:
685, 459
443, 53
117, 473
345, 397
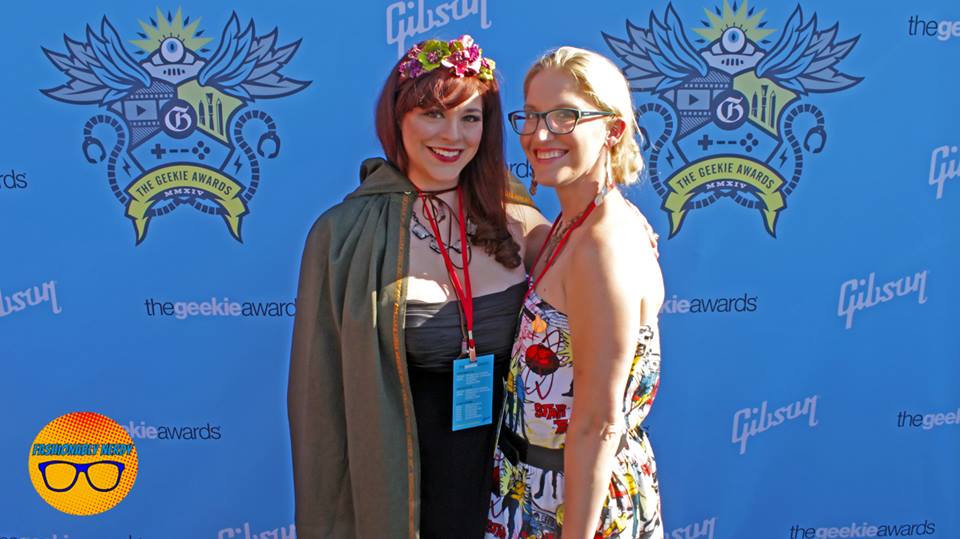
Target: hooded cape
356, 456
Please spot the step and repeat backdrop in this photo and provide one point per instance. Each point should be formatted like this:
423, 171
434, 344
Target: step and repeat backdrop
161, 166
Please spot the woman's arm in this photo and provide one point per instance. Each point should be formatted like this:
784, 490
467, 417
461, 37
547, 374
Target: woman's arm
531, 229
603, 286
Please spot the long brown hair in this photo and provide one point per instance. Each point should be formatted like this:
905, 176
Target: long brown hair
484, 179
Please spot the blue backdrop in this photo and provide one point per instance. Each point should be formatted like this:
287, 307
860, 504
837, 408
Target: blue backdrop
800, 172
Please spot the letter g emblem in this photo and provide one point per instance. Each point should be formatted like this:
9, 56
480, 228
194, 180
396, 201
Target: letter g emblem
178, 118
729, 110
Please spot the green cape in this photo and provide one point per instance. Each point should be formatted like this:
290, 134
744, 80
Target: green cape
353, 432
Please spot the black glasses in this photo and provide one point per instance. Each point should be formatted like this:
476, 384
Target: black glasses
558, 121
60, 475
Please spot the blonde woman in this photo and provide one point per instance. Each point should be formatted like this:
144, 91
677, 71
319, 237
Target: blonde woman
585, 367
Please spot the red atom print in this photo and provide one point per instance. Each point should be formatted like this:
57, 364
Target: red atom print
542, 360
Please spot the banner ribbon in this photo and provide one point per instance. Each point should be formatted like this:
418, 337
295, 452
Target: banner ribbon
727, 172
185, 180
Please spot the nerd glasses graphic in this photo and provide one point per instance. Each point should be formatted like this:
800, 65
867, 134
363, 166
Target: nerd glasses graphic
61, 475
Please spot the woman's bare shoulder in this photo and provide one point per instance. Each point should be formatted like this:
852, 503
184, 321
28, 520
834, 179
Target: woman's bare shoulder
527, 217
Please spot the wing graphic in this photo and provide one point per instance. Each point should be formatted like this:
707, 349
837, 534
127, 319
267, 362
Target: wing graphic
248, 67
804, 57
660, 58
100, 71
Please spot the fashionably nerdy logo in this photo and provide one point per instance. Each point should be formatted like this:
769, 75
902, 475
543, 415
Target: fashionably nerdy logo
731, 113
83, 463
175, 114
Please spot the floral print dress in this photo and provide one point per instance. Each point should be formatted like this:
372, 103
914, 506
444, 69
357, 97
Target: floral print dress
527, 498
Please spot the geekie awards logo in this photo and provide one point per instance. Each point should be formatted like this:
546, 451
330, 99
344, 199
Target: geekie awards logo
174, 113
866, 529
140, 430
521, 169
728, 115
11, 180
943, 30
219, 307
743, 303
929, 420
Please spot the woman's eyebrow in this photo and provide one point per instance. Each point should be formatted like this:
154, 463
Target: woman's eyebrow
560, 105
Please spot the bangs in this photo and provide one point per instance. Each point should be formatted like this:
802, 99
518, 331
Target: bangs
438, 89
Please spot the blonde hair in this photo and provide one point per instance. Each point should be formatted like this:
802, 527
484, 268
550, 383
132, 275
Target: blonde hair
603, 83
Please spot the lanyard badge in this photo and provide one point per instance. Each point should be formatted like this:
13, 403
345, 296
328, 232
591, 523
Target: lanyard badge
473, 375
463, 291
472, 392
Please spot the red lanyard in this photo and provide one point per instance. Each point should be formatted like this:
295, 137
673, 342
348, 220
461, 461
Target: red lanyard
464, 294
563, 241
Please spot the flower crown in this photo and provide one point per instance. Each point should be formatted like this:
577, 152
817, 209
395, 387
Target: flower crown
462, 56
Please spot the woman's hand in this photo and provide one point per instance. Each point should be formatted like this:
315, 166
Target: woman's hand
530, 229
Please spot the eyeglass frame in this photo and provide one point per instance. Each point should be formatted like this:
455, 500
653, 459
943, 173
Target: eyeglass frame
80, 468
538, 115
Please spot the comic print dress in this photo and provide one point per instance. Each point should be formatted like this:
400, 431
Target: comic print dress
527, 498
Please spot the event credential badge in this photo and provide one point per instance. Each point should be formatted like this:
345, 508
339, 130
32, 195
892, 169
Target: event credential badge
472, 392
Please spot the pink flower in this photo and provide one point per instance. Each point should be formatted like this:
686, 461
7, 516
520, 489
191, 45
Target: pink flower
473, 52
464, 62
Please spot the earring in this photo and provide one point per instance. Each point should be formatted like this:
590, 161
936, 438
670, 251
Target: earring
533, 186
608, 174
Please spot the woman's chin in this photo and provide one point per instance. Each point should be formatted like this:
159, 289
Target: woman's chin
438, 177
546, 179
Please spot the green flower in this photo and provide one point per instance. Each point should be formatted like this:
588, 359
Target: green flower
486, 69
434, 51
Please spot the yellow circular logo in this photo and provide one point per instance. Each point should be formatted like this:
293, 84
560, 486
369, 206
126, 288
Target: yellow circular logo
83, 463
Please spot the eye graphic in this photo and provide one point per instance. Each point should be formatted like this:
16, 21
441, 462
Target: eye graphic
733, 40
172, 50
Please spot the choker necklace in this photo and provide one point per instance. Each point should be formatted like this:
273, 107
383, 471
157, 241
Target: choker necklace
440, 191
443, 210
